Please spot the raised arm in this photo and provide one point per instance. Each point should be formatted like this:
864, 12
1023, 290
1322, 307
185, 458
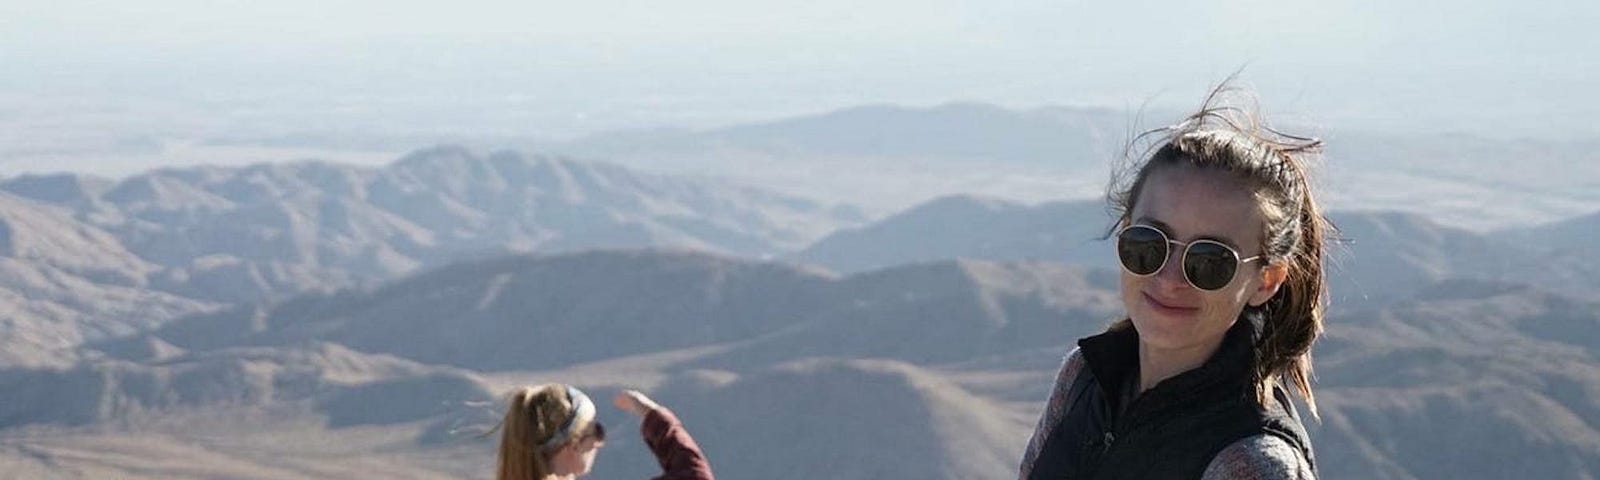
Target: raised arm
680, 457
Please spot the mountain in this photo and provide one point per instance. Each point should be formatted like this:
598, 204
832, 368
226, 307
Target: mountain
940, 313
848, 419
1570, 236
192, 448
63, 282
1566, 244
343, 386
269, 231
75, 192
1387, 256
36, 234
967, 226
952, 131
486, 315
316, 320
309, 411
87, 258
1378, 257
1384, 256
481, 315
1428, 387
928, 369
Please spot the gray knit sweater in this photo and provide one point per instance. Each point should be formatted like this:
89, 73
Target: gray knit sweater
1262, 457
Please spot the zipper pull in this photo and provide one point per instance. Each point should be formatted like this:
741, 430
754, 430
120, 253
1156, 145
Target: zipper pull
1108, 440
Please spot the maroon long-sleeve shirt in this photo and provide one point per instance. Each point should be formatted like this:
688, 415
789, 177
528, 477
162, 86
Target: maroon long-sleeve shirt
675, 450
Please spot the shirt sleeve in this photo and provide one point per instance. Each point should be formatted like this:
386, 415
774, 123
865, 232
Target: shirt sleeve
675, 450
1261, 457
1055, 408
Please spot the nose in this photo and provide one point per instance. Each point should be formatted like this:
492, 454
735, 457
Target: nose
1171, 274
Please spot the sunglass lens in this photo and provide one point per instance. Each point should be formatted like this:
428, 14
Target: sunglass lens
1142, 249
599, 431
1209, 266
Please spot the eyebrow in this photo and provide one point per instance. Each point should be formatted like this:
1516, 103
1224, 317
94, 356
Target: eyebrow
1160, 225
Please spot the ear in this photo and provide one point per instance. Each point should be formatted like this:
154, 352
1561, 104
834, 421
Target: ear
1272, 277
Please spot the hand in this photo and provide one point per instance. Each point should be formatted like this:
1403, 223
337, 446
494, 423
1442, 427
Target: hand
633, 402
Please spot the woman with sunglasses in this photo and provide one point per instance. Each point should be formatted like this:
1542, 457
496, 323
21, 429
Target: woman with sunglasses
1221, 246
550, 432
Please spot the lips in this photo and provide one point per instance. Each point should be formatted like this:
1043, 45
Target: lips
1168, 308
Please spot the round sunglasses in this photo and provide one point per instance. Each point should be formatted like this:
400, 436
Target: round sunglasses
1207, 264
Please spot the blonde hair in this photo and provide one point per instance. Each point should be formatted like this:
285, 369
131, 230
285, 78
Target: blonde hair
1275, 166
534, 415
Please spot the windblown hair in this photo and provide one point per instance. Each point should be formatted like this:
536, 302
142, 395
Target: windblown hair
533, 416
1275, 167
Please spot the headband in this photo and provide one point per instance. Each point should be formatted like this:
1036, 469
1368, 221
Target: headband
582, 409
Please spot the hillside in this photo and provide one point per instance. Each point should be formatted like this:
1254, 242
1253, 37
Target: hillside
269, 231
936, 368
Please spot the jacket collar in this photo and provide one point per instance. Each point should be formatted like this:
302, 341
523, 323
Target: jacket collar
1114, 355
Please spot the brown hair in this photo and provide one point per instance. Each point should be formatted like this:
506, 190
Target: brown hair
533, 415
1274, 165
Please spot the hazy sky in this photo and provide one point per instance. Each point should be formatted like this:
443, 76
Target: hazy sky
149, 71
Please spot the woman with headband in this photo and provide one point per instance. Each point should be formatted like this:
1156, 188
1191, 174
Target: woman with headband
1221, 246
550, 432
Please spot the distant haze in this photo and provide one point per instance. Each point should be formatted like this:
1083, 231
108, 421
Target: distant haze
392, 76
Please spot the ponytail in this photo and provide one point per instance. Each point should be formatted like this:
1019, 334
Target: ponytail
533, 414
1293, 317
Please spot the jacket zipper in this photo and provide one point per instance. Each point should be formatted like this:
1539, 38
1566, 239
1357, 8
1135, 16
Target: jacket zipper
1107, 439
1119, 426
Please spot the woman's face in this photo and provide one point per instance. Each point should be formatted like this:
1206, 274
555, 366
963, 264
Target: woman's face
1188, 204
576, 458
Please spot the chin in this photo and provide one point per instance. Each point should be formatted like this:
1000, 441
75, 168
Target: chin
1162, 332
